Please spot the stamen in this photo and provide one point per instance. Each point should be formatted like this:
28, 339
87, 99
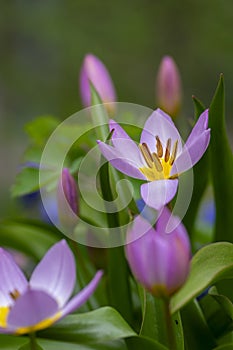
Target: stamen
174, 153
157, 163
168, 149
146, 154
15, 294
159, 147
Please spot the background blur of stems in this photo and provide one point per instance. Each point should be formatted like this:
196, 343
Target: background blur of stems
42, 45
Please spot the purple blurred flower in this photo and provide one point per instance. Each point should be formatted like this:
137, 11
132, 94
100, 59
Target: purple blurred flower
168, 86
94, 71
159, 260
29, 306
160, 157
67, 199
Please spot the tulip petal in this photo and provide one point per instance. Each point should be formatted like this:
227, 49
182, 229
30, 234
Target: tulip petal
158, 193
161, 125
200, 126
12, 278
192, 153
79, 299
128, 163
30, 309
55, 274
94, 71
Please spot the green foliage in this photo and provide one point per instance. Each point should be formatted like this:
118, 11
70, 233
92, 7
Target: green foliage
210, 264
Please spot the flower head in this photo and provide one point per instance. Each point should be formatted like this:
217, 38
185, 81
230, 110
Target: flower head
94, 71
160, 156
29, 306
168, 86
159, 260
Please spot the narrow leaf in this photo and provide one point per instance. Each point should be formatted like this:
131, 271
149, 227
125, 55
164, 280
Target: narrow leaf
104, 324
221, 166
210, 264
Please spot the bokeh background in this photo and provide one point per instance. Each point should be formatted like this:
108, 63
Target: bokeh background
42, 45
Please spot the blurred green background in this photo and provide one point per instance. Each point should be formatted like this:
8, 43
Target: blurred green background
43, 43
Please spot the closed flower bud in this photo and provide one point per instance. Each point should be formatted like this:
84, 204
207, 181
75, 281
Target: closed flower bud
168, 87
94, 71
67, 198
159, 260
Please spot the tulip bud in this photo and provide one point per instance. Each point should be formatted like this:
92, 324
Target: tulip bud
94, 71
168, 87
159, 260
67, 198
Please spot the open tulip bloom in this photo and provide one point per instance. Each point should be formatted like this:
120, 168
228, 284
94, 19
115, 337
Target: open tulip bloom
29, 306
160, 156
159, 260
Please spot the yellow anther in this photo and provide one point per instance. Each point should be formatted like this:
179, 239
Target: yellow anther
157, 163
159, 147
168, 150
146, 154
174, 153
15, 294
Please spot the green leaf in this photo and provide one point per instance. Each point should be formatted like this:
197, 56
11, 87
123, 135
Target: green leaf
99, 115
196, 330
104, 324
118, 272
225, 347
154, 321
41, 128
26, 181
32, 238
28, 347
139, 343
218, 311
60, 345
198, 107
221, 166
210, 264
9, 342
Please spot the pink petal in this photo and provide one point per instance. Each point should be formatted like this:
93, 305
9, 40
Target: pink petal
12, 278
79, 299
31, 308
55, 274
158, 193
200, 126
192, 153
160, 124
128, 162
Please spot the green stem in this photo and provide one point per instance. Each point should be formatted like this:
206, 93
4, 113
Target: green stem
33, 345
169, 325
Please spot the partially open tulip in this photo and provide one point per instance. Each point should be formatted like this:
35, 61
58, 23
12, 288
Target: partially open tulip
25, 306
94, 71
168, 87
159, 260
67, 199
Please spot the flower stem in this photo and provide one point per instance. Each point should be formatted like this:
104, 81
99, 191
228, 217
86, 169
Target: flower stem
33, 345
169, 325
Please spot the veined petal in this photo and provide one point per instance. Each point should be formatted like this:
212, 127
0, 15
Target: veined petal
30, 311
83, 295
160, 124
192, 153
200, 126
128, 163
12, 279
158, 193
55, 274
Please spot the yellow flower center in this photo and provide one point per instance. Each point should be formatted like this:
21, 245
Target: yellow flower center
4, 310
159, 163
